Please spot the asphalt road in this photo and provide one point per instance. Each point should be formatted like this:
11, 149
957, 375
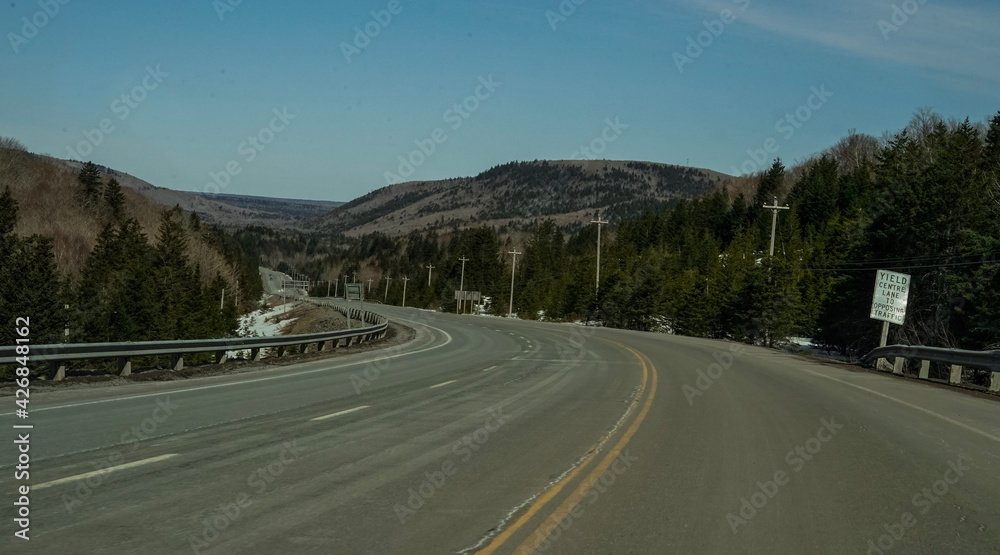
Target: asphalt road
498, 436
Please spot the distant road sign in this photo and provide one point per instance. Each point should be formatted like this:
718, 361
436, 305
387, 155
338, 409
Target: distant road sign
355, 292
891, 292
468, 296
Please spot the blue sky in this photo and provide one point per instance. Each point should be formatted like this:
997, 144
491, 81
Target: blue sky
216, 80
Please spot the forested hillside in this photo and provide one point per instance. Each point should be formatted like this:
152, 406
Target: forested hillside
925, 201
514, 196
78, 251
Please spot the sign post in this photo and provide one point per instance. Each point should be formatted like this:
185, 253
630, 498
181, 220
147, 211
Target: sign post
472, 296
892, 290
354, 292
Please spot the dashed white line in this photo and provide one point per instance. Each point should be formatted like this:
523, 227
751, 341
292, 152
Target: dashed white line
348, 411
488, 369
442, 384
102, 472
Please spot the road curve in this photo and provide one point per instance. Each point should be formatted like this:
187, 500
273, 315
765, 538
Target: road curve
497, 436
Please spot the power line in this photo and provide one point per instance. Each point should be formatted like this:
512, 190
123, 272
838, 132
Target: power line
911, 259
947, 265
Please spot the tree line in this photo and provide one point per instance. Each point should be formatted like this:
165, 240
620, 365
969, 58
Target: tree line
130, 288
924, 201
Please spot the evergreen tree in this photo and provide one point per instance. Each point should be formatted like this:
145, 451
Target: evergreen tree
89, 179
29, 284
114, 199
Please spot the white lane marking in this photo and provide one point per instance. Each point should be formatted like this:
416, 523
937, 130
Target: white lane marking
256, 380
912, 406
442, 384
104, 471
348, 411
488, 369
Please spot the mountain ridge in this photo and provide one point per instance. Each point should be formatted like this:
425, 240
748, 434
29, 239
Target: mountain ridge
515, 194
223, 209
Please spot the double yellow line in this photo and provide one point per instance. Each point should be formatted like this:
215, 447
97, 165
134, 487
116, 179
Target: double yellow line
535, 538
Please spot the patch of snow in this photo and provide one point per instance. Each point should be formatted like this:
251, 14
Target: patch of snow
264, 323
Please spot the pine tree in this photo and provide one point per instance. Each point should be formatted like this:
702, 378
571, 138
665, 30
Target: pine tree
114, 199
89, 179
29, 284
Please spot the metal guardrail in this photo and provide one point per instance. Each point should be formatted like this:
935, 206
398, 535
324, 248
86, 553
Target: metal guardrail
58, 355
957, 358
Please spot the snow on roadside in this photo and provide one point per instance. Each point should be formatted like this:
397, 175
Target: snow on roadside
264, 323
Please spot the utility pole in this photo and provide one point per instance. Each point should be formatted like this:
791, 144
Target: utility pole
222, 301
430, 268
461, 286
335, 284
774, 220
386, 299
599, 223
405, 279
513, 267
355, 278
328, 284
369, 285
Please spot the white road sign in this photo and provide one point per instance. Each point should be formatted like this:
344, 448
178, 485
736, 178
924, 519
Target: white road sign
891, 292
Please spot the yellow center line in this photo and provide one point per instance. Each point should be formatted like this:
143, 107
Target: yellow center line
546, 527
540, 503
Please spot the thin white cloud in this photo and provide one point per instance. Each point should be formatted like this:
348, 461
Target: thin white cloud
957, 44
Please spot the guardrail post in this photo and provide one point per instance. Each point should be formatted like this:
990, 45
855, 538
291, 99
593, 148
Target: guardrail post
995, 382
177, 362
925, 369
124, 366
320, 345
302, 348
221, 356
956, 374
255, 355
897, 366
281, 351
57, 371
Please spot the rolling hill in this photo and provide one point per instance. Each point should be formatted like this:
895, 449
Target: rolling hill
223, 209
512, 196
